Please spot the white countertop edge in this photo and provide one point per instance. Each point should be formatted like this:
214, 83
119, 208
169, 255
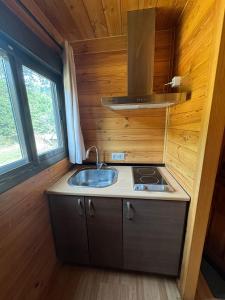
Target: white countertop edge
123, 188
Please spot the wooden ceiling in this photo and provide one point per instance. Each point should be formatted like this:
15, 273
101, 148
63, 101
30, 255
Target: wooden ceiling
90, 19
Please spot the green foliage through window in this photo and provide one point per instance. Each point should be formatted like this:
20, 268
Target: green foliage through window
10, 149
41, 97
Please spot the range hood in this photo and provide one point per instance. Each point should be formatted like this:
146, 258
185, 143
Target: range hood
141, 52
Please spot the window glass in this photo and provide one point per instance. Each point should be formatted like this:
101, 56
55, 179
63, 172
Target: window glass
42, 98
12, 148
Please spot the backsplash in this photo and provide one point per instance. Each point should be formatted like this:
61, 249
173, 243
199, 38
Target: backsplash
102, 71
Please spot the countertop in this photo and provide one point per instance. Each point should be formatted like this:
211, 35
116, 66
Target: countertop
123, 188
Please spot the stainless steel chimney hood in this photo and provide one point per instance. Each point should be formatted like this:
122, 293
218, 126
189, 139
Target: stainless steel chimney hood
141, 52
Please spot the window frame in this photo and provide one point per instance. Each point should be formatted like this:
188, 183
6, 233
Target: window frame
16, 117
55, 80
18, 57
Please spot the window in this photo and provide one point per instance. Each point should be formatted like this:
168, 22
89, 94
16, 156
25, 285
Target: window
42, 98
31, 115
12, 146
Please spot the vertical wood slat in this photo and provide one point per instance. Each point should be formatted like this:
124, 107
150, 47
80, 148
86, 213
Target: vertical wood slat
97, 17
81, 19
112, 13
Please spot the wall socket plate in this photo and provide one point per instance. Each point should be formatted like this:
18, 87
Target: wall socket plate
118, 156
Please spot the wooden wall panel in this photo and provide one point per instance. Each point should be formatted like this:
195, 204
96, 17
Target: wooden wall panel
192, 60
195, 128
101, 67
27, 254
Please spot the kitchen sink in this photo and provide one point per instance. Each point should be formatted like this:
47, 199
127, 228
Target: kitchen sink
93, 177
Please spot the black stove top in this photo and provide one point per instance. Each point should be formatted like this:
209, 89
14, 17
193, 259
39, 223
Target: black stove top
149, 178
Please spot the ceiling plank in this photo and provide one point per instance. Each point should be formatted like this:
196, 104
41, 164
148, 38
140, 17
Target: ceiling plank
112, 13
60, 16
80, 18
88, 19
43, 20
127, 5
97, 17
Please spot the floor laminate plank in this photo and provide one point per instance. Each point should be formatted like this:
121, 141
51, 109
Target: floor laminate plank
82, 283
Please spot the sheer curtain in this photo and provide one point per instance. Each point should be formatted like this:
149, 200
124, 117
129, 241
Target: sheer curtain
75, 137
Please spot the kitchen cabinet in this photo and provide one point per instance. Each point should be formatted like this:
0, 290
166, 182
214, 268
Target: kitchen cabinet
153, 235
132, 234
69, 228
104, 222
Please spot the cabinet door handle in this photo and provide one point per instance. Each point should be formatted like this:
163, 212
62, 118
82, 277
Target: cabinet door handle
80, 207
90, 208
130, 211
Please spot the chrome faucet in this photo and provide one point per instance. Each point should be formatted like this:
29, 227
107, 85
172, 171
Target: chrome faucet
98, 164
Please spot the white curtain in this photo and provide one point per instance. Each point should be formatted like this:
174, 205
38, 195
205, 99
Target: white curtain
75, 137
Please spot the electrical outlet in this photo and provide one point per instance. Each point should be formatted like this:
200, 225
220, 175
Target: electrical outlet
176, 81
118, 156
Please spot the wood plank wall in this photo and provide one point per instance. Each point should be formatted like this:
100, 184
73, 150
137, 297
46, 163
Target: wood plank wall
27, 254
101, 67
197, 46
192, 60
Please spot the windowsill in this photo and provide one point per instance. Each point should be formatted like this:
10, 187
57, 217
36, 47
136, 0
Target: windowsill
12, 166
22, 173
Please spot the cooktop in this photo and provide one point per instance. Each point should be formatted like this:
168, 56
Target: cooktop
150, 179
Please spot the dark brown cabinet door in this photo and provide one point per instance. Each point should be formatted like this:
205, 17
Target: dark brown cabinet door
152, 235
69, 228
104, 222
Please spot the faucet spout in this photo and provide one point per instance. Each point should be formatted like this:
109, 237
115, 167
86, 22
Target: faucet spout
98, 164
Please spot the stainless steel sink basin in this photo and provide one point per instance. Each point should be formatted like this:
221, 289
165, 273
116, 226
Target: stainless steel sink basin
92, 177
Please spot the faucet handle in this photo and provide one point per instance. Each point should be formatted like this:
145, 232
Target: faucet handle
101, 164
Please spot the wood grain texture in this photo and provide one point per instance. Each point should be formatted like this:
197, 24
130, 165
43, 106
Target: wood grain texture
192, 59
69, 228
104, 229
200, 59
152, 237
86, 19
112, 11
102, 72
115, 43
26, 247
74, 283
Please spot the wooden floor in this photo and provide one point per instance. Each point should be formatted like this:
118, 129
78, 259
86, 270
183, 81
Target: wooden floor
81, 283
